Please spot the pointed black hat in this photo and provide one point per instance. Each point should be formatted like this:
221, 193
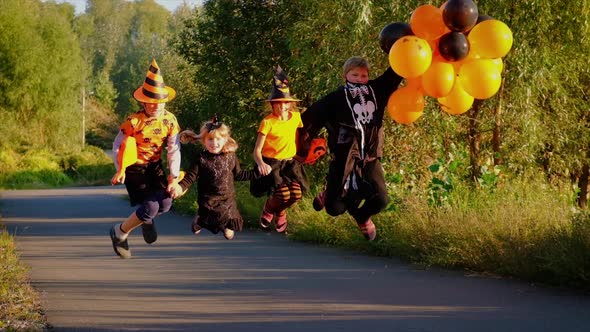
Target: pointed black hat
280, 87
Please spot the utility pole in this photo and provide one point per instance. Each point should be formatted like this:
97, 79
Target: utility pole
83, 117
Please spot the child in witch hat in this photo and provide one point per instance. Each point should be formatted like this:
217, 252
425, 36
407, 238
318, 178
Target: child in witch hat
214, 170
353, 117
151, 128
284, 178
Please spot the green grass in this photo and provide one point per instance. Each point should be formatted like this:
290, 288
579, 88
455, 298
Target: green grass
20, 308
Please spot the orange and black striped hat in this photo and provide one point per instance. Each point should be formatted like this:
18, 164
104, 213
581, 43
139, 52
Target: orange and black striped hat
154, 90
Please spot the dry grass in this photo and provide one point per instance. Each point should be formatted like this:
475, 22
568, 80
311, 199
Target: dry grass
20, 308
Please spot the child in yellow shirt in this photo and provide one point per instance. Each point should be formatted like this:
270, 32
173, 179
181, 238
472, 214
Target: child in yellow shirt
283, 177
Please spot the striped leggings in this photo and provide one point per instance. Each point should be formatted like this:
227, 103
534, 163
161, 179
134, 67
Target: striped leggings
282, 198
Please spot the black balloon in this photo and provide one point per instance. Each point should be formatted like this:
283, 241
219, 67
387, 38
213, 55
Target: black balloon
391, 33
482, 18
460, 15
453, 46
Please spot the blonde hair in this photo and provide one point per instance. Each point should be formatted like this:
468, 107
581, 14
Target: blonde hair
354, 62
189, 136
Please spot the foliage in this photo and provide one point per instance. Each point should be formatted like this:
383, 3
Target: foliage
234, 62
41, 71
45, 169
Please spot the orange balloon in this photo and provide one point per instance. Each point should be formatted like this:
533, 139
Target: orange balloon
490, 39
457, 101
438, 80
415, 83
480, 78
433, 43
405, 105
127, 154
470, 57
410, 56
402, 117
427, 22
499, 64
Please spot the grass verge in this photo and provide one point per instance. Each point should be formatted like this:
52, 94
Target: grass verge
20, 308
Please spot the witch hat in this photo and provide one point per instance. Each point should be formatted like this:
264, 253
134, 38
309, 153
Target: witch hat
280, 87
154, 90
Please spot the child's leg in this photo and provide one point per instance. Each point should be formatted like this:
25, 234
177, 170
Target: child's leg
375, 203
155, 204
195, 228
273, 205
132, 222
229, 233
119, 234
295, 195
333, 202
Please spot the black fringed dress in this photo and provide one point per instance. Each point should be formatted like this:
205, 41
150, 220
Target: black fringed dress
216, 195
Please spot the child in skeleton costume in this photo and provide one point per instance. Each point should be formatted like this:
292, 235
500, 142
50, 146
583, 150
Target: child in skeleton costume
214, 169
150, 129
284, 178
353, 118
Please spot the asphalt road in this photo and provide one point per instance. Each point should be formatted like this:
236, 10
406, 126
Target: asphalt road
257, 282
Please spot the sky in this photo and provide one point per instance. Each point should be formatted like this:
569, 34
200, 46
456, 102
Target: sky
171, 5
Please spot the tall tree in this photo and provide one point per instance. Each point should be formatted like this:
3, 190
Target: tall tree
41, 73
235, 46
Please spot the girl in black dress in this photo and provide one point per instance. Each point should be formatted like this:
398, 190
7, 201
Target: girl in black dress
214, 169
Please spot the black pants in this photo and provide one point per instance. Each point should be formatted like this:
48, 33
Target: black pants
373, 192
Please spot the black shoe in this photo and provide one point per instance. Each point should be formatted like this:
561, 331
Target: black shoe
121, 247
149, 232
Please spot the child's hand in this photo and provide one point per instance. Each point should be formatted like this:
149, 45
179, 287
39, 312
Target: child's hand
175, 190
119, 177
264, 169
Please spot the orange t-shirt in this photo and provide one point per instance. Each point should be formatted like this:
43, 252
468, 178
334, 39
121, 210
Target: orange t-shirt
280, 142
151, 134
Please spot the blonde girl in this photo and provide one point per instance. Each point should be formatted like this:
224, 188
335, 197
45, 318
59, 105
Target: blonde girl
215, 169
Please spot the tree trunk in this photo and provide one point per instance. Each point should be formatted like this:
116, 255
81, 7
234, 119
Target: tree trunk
497, 134
474, 140
583, 185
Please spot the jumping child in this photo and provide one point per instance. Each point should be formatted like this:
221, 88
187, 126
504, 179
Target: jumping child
215, 169
152, 128
353, 118
284, 177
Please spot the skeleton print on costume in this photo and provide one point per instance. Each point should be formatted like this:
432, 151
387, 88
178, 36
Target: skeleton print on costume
362, 102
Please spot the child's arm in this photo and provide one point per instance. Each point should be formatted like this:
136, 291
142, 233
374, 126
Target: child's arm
314, 119
263, 167
244, 175
385, 84
173, 149
116, 146
187, 181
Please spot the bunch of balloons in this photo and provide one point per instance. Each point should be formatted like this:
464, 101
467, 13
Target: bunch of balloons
450, 53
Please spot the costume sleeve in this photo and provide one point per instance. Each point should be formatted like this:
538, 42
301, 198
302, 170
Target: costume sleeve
173, 149
385, 84
116, 147
264, 127
313, 119
243, 175
190, 176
